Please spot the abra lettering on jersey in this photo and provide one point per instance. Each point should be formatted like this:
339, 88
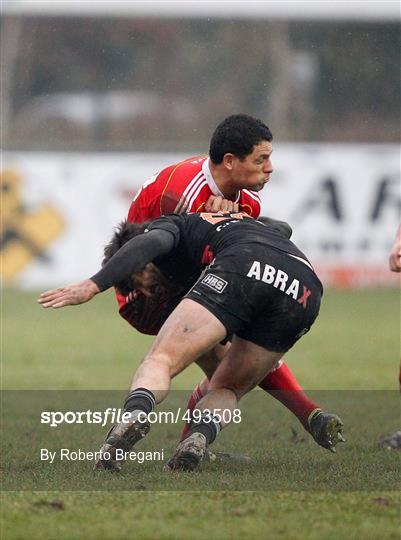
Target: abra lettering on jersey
278, 278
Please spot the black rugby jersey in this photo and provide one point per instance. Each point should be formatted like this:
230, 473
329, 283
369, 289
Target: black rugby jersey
189, 242
201, 236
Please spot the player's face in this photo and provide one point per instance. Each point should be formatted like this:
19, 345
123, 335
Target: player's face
254, 171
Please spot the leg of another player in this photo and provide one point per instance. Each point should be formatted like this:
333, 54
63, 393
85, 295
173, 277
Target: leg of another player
282, 384
325, 427
244, 365
208, 363
189, 332
242, 368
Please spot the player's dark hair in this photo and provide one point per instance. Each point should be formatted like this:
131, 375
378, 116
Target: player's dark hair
124, 232
237, 134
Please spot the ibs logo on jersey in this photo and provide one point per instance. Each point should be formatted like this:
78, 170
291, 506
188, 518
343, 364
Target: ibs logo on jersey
215, 283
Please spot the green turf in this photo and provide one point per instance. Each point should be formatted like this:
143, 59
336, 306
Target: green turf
214, 515
294, 489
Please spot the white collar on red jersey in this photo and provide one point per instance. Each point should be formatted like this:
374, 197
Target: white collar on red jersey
211, 182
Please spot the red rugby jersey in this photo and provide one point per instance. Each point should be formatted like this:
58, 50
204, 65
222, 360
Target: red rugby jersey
181, 188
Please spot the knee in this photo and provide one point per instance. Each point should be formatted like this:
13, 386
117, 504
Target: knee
239, 390
160, 361
230, 390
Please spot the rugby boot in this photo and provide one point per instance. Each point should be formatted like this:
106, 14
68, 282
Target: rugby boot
121, 438
188, 454
326, 428
391, 442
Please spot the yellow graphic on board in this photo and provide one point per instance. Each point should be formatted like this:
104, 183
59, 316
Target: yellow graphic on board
24, 233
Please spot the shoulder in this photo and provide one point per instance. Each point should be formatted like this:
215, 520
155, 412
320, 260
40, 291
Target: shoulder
171, 224
162, 192
182, 173
179, 183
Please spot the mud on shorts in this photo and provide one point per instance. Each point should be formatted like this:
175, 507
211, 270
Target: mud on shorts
260, 294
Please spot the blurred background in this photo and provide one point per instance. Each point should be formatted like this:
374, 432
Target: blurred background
98, 96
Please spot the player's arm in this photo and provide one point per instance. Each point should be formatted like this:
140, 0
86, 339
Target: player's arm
130, 258
395, 253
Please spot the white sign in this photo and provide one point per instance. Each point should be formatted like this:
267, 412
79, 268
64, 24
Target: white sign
343, 202
59, 210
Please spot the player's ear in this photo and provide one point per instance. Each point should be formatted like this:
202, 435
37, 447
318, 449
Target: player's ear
228, 161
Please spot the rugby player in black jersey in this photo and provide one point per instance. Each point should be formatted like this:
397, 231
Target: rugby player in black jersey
256, 286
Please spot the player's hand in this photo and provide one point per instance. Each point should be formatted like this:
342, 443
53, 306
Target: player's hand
71, 295
216, 203
395, 258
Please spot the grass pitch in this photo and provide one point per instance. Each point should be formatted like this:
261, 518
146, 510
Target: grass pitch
292, 489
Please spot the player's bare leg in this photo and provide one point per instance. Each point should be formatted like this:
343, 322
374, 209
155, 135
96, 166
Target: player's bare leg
241, 370
189, 332
325, 427
208, 364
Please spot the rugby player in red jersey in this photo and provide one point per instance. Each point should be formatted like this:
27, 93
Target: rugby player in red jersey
238, 166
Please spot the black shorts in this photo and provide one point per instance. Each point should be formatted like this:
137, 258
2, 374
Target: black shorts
260, 294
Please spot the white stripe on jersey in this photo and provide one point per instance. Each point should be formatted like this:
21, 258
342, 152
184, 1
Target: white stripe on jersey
302, 260
187, 204
188, 201
191, 202
187, 192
